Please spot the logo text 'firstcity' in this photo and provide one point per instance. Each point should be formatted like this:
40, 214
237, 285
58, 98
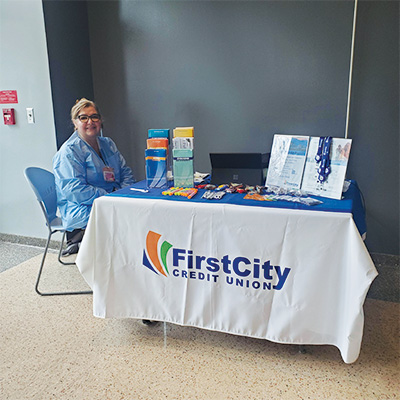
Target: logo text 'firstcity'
237, 271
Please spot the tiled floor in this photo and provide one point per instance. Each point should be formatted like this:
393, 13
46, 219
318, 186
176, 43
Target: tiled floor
55, 348
12, 254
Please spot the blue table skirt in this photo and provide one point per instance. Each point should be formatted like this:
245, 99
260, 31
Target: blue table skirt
350, 203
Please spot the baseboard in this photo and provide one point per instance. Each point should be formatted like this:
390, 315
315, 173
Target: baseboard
29, 241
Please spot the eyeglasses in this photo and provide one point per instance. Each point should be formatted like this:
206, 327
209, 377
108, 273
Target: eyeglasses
93, 117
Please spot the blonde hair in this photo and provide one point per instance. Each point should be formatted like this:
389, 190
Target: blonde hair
79, 105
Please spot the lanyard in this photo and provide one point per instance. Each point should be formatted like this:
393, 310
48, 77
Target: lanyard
324, 161
318, 157
108, 172
101, 156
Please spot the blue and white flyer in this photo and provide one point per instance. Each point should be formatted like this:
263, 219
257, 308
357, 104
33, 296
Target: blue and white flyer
332, 186
288, 156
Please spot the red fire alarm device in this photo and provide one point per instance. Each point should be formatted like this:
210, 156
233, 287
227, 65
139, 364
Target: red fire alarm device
8, 116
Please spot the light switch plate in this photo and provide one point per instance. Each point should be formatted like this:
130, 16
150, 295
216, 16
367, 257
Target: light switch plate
30, 116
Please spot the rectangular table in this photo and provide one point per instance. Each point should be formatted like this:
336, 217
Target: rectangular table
289, 275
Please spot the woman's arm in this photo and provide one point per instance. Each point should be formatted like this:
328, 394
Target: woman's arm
127, 178
126, 175
70, 173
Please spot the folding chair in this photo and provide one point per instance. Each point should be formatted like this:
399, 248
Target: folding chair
43, 184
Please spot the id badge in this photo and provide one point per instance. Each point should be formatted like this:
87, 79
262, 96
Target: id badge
108, 174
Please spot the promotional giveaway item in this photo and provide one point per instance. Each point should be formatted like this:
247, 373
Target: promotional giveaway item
210, 195
324, 159
184, 192
288, 156
326, 165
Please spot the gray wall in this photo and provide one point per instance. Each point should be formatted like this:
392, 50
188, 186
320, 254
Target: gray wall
374, 121
241, 71
24, 67
238, 71
67, 34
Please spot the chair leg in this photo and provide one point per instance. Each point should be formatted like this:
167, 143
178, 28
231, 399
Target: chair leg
41, 269
61, 248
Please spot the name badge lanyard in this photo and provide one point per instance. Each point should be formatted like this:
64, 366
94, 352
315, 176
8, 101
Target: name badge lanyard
108, 172
325, 163
318, 157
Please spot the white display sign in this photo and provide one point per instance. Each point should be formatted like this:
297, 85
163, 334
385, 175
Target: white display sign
332, 187
288, 156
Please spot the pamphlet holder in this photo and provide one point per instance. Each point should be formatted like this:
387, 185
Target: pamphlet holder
156, 168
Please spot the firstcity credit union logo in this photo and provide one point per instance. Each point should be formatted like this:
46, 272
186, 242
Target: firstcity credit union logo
238, 270
155, 256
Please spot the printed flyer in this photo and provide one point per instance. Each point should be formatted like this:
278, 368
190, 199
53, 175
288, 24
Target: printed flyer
333, 185
288, 156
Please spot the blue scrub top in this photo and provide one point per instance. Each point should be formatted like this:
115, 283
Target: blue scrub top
78, 172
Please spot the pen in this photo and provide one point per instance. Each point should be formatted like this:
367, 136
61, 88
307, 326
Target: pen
140, 190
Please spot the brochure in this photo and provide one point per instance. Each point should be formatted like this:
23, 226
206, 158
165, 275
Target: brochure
183, 167
288, 156
156, 168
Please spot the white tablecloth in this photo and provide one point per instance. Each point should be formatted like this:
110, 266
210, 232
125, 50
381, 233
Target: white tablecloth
289, 276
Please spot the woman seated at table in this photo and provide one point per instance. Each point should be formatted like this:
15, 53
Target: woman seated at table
87, 166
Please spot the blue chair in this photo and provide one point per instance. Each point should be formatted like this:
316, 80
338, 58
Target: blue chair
43, 184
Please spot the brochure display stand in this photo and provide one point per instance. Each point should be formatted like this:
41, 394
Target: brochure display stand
157, 158
316, 165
